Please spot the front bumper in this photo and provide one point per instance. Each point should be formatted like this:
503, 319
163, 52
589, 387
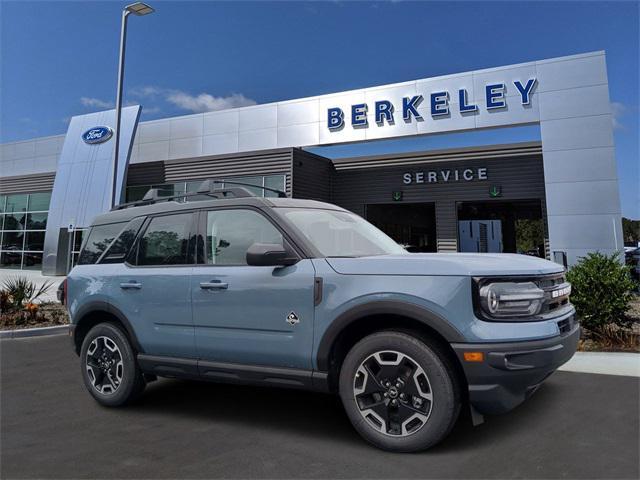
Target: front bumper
511, 372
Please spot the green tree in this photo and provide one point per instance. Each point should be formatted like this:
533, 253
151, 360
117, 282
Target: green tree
630, 230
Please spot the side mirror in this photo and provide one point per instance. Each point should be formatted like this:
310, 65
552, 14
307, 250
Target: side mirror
269, 255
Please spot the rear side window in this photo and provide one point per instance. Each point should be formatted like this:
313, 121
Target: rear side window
119, 249
97, 242
166, 241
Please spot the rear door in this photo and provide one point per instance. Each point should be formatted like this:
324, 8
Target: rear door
246, 314
153, 289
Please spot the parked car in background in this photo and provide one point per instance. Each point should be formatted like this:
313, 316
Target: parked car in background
632, 258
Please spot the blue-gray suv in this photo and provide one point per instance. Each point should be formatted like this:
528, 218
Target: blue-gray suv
227, 286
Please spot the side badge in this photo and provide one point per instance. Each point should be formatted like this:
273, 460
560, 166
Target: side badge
292, 319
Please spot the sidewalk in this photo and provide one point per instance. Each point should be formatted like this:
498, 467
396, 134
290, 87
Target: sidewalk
37, 277
607, 363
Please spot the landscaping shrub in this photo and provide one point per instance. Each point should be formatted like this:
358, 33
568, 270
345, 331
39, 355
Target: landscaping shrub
18, 307
602, 288
20, 293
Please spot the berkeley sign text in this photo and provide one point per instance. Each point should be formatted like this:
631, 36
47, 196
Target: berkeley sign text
439, 106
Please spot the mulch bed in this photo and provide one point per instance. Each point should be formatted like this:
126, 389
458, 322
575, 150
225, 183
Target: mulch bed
49, 314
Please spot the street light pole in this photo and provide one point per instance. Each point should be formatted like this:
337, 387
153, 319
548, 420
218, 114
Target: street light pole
139, 9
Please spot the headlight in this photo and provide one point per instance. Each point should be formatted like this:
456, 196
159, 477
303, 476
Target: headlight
511, 299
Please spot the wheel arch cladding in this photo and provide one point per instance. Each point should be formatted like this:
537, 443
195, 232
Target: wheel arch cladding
356, 323
94, 313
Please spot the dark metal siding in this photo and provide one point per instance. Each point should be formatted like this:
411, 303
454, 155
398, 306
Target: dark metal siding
268, 162
521, 178
42, 182
312, 176
150, 173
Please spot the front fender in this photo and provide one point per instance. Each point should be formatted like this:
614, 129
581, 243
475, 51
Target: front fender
383, 307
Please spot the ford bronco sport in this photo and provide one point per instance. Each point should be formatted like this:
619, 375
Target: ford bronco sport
293, 293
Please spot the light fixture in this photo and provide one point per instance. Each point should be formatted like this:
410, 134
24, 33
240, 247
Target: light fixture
139, 8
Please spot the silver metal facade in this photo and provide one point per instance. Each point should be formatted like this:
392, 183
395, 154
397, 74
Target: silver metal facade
570, 101
82, 187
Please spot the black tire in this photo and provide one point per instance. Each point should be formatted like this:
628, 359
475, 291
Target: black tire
436, 416
131, 382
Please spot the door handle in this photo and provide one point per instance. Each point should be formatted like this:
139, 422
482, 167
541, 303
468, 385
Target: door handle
214, 285
131, 286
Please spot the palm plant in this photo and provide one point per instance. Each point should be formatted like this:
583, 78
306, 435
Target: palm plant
20, 291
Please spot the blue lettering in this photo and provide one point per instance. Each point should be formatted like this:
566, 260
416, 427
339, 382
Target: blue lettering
439, 104
384, 110
525, 91
495, 96
335, 118
464, 106
359, 115
410, 107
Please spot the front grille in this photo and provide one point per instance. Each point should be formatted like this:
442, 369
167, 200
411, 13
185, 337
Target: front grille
554, 291
566, 325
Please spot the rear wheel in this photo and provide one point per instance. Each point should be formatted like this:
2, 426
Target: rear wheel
109, 367
400, 393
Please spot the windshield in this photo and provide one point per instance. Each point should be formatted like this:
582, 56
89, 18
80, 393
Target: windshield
340, 234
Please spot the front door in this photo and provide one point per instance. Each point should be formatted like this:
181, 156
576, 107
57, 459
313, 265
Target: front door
245, 314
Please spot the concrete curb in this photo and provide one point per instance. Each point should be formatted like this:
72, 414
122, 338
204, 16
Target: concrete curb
606, 363
35, 332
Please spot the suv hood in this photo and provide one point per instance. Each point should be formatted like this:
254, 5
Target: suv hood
470, 264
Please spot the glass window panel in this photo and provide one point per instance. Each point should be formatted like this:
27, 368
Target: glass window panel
230, 233
166, 241
10, 259
32, 261
250, 180
34, 241
14, 221
37, 221
3, 200
16, 203
136, 193
193, 186
78, 235
276, 182
99, 239
39, 201
12, 240
120, 248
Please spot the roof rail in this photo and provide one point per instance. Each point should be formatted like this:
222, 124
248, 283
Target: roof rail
207, 187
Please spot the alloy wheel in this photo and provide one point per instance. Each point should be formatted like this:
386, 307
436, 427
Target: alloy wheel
393, 393
104, 365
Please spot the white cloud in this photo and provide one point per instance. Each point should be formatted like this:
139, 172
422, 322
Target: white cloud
95, 103
146, 91
205, 102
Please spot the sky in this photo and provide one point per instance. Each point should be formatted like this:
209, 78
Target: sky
59, 59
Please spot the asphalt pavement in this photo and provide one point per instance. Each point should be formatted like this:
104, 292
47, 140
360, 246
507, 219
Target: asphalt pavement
576, 426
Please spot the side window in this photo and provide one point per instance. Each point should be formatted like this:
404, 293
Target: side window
118, 250
166, 241
230, 233
97, 242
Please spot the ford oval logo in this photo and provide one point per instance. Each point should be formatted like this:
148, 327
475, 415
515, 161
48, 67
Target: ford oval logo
97, 135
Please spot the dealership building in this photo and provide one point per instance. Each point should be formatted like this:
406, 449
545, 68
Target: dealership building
557, 197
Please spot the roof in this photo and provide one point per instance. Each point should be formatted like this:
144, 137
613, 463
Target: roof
124, 215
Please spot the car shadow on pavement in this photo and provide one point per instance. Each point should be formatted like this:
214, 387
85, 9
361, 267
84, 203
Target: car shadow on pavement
314, 414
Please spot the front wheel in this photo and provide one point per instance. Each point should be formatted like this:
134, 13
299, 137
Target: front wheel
400, 393
109, 367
